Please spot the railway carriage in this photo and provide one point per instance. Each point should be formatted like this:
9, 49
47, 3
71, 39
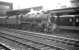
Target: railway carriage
66, 18
69, 20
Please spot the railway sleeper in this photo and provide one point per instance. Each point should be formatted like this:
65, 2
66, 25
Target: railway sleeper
67, 43
36, 45
14, 45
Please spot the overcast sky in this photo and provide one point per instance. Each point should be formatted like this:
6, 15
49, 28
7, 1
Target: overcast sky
48, 4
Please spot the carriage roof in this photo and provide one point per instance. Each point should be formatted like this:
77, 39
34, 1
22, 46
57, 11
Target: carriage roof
69, 15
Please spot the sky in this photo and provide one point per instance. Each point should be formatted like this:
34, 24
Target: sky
47, 4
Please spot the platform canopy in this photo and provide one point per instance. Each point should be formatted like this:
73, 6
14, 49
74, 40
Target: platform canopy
17, 12
74, 10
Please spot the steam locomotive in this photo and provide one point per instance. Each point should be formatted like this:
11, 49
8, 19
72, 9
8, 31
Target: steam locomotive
23, 20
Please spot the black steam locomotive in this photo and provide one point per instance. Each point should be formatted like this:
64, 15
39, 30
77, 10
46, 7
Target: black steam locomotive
25, 19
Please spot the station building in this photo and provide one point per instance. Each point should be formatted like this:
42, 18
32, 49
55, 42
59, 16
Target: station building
75, 3
4, 7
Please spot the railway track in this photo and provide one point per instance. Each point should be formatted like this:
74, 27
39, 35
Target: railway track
13, 45
41, 40
58, 32
33, 45
2, 47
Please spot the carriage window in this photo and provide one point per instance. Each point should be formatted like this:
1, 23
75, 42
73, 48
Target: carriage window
70, 20
77, 20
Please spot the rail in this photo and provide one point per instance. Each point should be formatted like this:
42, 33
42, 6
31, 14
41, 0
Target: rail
41, 38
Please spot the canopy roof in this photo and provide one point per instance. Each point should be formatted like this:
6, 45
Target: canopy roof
66, 10
17, 12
